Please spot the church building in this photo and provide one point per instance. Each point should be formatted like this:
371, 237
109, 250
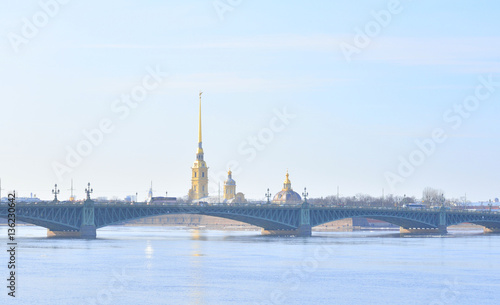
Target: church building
199, 178
230, 195
287, 194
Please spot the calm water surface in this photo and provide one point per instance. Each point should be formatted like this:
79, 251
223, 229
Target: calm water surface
157, 265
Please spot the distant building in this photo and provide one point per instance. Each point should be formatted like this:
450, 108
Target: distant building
230, 195
31, 199
162, 200
239, 198
28, 199
287, 194
229, 187
131, 198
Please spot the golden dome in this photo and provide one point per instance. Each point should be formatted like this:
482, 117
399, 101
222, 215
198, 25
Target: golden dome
287, 195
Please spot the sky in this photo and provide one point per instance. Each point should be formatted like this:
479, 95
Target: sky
372, 97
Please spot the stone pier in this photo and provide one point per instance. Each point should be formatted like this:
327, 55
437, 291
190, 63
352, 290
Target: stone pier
491, 230
440, 230
302, 231
63, 234
86, 232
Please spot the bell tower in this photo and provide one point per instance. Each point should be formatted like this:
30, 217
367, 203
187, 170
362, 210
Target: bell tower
199, 177
229, 187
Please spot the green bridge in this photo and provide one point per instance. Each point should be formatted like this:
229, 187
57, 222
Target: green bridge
82, 220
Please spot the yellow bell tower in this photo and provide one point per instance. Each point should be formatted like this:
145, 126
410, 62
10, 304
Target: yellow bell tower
229, 187
199, 178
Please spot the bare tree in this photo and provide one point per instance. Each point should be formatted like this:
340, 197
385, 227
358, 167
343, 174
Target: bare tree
433, 196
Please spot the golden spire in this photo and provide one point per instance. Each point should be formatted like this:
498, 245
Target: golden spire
199, 125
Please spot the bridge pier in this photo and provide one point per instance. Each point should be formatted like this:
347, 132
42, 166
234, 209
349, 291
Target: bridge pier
88, 228
63, 234
491, 230
439, 230
302, 231
85, 232
88, 232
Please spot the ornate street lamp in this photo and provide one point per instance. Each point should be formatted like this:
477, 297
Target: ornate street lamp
89, 191
268, 195
55, 191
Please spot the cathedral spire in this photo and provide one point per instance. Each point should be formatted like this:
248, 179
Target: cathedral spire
199, 125
199, 179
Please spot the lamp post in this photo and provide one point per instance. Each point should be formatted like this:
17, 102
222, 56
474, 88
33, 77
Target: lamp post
305, 194
268, 195
55, 191
89, 191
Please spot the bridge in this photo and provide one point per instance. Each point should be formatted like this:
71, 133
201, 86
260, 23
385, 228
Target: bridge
82, 220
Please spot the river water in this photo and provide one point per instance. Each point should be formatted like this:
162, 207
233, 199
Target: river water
165, 265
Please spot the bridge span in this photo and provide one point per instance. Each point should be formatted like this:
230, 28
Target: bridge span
82, 220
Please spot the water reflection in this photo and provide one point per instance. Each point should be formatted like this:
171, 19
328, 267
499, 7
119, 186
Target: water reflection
196, 295
149, 251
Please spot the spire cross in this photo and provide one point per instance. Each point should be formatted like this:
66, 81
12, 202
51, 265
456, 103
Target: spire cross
55, 191
89, 191
268, 195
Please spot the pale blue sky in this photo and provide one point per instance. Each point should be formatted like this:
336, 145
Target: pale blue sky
353, 119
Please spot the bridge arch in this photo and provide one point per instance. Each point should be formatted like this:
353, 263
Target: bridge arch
52, 217
402, 218
264, 218
485, 219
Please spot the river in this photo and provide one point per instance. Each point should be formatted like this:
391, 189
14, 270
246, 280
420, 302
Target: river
168, 265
